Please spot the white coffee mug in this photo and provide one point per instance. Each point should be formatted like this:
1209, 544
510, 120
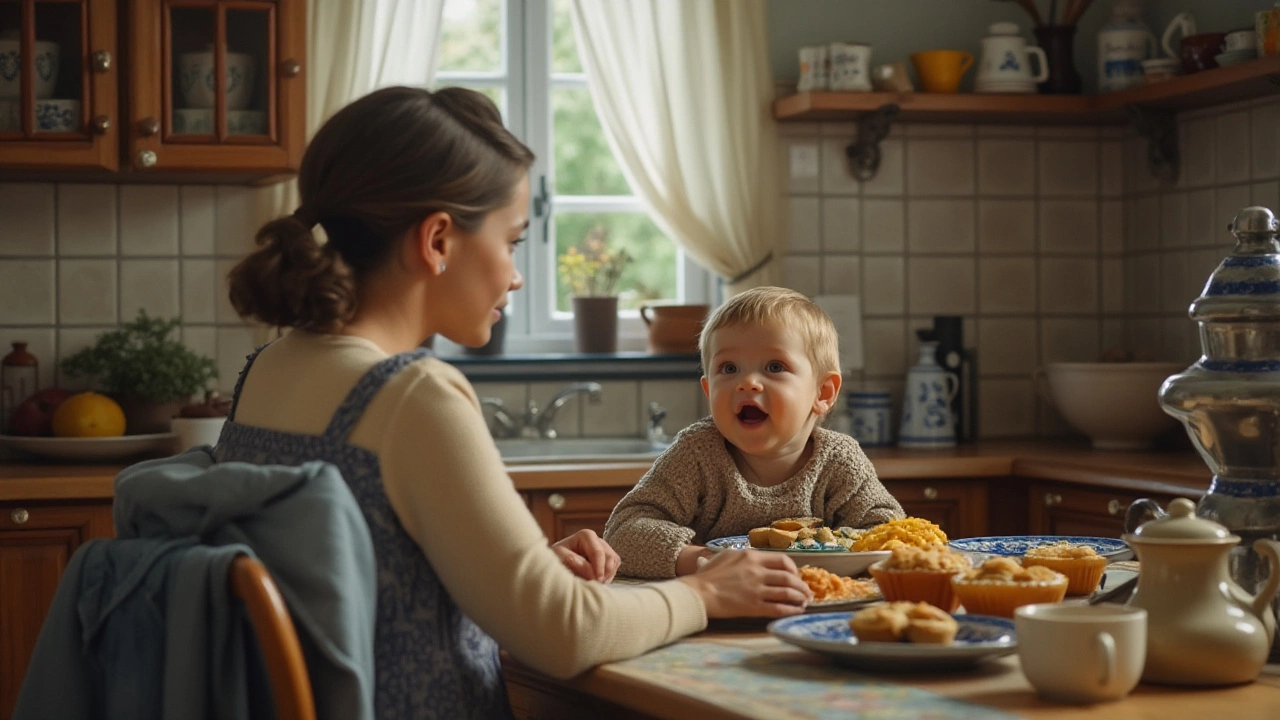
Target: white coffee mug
850, 66
194, 432
1240, 40
1077, 653
813, 69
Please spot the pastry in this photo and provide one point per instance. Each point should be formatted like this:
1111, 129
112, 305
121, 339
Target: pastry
917, 574
1000, 585
1081, 564
796, 523
879, 623
927, 624
897, 621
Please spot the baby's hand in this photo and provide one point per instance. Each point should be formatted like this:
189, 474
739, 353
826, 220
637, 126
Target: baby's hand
588, 556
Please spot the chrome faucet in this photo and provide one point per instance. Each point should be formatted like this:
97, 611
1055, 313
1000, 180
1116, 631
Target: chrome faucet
653, 429
538, 423
504, 424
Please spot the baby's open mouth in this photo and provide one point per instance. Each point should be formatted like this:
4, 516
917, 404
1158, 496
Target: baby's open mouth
752, 415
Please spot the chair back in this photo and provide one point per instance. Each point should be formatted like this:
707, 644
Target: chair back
286, 667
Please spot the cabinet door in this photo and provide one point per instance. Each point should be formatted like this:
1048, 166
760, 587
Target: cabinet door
959, 507
58, 85
217, 86
1066, 509
36, 540
562, 513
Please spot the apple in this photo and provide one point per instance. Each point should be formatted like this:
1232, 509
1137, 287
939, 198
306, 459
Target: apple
34, 416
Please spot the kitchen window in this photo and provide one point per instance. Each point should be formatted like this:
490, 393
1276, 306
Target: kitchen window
522, 54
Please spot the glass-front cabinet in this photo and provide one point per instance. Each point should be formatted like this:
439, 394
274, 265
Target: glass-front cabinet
220, 88
207, 89
58, 84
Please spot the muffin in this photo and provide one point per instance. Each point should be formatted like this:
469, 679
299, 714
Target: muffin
1000, 585
1082, 565
916, 574
894, 622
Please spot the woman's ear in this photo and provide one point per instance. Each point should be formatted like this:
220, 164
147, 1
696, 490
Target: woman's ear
433, 240
828, 393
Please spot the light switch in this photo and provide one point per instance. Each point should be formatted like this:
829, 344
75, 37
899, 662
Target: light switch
804, 161
845, 312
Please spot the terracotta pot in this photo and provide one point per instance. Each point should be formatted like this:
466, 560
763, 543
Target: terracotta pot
595, 324
674, 328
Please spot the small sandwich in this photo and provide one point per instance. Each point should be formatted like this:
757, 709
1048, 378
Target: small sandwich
796, 523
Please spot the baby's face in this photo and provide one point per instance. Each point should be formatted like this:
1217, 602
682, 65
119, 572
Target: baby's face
762, 388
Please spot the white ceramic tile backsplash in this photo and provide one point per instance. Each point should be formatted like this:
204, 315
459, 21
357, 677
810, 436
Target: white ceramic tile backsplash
28, 213
149, 220
87, 220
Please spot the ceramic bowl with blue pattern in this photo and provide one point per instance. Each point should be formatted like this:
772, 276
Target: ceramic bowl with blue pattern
1018, 545
835, 559
979, 638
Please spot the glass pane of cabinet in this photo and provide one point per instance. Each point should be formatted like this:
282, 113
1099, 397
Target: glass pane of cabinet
50, 95
206, 106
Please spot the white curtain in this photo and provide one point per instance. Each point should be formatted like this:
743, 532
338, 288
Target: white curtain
683, 90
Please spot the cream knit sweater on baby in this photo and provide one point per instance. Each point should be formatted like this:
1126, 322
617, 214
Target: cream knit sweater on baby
694, 493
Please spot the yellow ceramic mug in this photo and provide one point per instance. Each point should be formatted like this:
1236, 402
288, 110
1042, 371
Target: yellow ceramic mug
940, 70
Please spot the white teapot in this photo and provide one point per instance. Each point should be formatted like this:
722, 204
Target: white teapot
1006, 62
1202, 628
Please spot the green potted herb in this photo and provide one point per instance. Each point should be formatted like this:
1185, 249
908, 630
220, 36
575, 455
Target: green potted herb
148, 372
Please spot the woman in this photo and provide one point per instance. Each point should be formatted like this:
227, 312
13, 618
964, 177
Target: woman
423, 197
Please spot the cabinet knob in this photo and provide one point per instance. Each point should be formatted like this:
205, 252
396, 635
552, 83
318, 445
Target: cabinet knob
20, 516
148, 126
1051, 499
556, 501
290, 68
1114, 507
101, 124
101, 61
930, 493
146, 158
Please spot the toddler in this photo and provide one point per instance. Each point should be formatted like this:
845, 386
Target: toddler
770, 360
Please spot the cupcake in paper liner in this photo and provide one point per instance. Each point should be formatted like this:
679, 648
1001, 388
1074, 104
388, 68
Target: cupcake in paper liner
1000, 585
920, 574
1082, 565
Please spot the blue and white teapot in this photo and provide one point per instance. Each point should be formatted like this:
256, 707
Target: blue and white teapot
927, 421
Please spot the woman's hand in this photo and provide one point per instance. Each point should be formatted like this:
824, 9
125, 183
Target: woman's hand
588, 556
746, 583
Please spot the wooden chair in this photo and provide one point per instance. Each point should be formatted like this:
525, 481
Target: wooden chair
286, 668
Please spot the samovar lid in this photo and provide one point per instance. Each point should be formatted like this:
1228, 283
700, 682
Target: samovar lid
1245, 287
1254, 220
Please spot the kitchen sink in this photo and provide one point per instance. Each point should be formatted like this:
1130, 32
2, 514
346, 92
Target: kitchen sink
540, 450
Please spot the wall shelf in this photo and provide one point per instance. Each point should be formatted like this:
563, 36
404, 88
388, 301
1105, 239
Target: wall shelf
1256, 78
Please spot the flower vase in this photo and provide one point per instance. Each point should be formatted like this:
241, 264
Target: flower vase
595, 324
1058, 43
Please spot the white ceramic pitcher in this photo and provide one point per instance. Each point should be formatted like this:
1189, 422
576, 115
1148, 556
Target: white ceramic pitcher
927, 421
1006, 62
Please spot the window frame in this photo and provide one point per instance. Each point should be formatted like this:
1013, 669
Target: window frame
534, 325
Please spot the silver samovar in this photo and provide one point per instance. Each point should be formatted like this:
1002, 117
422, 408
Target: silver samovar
1229, 399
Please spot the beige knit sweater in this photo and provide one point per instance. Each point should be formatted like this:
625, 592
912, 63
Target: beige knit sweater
694, 493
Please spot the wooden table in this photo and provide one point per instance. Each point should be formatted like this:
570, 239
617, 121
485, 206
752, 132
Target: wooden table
748, 659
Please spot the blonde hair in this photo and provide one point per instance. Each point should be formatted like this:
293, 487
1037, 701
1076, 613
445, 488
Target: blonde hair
779, 307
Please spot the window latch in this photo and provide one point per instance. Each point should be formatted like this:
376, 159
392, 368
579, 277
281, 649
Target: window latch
542, 207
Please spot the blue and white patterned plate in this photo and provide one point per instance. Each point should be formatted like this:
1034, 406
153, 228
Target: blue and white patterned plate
837, 560
1018, 545
980, 638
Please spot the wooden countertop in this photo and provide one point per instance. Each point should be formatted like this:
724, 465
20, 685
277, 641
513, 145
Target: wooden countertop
1155, 472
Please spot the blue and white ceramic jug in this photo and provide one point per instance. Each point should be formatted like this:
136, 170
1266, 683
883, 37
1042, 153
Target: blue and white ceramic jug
872, 413
926, 404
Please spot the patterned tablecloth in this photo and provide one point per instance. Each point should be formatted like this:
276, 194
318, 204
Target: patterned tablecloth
756, 679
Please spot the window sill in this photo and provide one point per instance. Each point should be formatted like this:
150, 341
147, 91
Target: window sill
577, 366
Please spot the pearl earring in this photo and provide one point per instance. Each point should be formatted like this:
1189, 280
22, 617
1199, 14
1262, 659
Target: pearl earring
442, 266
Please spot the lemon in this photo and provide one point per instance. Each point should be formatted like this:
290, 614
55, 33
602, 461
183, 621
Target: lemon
88, 414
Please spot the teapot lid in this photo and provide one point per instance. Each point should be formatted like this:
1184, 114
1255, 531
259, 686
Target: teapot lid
1182, 524
1009, 28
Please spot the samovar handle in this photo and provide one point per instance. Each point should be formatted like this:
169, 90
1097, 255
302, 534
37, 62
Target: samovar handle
1139, 510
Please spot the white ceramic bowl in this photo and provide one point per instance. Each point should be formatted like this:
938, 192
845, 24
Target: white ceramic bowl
192, 121
246, 122
1115, 404
196, 80
46, 74
57, 116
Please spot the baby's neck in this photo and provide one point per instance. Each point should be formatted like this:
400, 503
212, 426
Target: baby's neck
769, 471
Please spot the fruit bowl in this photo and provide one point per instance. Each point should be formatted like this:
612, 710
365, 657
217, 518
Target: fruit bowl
1114, 403
92, 449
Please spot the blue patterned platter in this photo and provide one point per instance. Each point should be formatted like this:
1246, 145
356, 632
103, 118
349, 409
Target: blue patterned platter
837, 560
980, 638
1018, 545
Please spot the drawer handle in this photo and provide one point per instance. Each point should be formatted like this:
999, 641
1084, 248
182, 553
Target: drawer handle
148, 127
556, 501
101, 61
101, 124
1114, 507
1051, 499
146, 158
290, 68
20, 516
930, 493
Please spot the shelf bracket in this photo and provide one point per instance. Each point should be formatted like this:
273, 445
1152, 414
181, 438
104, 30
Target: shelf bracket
1160, 128
864, 151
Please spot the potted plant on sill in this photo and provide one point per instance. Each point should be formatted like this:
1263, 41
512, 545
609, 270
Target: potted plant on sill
591, 273
149, 373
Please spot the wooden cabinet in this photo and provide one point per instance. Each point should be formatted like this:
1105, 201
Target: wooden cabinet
562, 513
166, 90
959, 507
36, 541
1069, 509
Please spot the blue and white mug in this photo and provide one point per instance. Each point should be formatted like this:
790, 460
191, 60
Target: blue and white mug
871, 414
